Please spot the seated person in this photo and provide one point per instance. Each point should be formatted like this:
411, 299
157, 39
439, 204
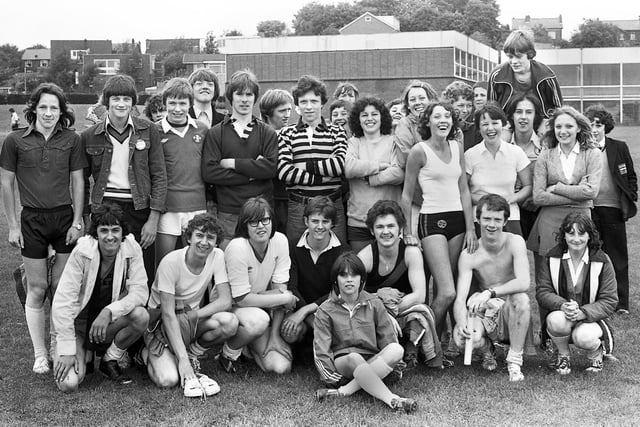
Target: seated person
85, 314
355, 343
501, 303
258, 266
311, 261
395, 274
577, 292
181, 328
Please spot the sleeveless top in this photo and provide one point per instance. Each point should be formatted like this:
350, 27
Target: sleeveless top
439, 181
375, 280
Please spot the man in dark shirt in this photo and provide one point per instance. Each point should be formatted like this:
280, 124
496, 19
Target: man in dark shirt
45, 158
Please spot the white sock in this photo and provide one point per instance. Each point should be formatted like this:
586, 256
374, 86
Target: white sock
196, 349
231, 353
381, 369
35, 322
114, 352
513, 357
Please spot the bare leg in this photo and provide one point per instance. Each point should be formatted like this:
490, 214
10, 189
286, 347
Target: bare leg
165, 243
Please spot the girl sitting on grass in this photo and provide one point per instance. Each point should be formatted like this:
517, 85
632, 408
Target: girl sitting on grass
355, 339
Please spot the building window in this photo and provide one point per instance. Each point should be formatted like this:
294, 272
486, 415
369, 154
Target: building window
44, 63
367, 19
632, 36
107, 67
551, 34
28, 64
621, 36
77, 54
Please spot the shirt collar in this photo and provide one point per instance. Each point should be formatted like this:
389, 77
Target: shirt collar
166, 127
107, 122
321, 126
535, 140
585, 257
333, 241
32, 129
574, 150
198, 111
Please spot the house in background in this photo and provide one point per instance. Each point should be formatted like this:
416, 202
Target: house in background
160, 46
214, 61
553, 27
630, 30
368, 23
76, 49
34, 60
102, 66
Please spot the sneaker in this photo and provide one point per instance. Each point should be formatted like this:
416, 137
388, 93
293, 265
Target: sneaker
622, 311
125, 361
409, 405
488, 357
229, 365
41, 365
111, 370
411, 359
209, 386
323, 393
515, 374
193, 388
563, 365
452, 350
396, 375
595, 365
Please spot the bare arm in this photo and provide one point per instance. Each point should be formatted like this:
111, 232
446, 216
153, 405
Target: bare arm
416, 160
470, 240
417, 281
77, 185
7, 180
220, 304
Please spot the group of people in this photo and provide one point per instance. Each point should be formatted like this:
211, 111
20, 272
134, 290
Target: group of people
265, 239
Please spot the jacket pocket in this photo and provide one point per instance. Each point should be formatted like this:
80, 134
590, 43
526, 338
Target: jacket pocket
95, 154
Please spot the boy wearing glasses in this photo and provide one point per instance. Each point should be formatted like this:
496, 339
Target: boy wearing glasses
258, 269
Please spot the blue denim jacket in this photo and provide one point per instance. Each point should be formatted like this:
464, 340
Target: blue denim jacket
147, 171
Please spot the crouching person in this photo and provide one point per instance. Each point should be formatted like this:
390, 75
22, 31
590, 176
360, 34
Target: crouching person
577, 292
181, 327
500, 304
99, 304
355, 343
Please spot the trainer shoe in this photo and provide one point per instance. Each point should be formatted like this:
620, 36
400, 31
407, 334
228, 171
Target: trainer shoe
396, 375
229, 365
595, 366
452, 350
323, 393
209, 386
125, 361
409, 405
488, 357
41, 365
515, 374
111, 370
193, 388
622, 311
563, 365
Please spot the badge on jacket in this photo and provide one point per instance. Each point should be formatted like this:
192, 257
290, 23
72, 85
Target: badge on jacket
622, 168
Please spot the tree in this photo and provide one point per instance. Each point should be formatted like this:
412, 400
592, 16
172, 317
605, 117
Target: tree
173, 65
37, 46
314, 18
10, 61
272, 28
60, 71
232, 33
595, 33
210, 44
87, 80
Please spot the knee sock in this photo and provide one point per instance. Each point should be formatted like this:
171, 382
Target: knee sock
379, 367
513, 357
372, 384
195, 349
35, 322
596, 353
231, 353
562, 343
114, 352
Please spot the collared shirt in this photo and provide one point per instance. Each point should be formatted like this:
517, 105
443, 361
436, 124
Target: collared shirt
204, 115
42, 167
532, 148
241, 129
129, 126
334, 242
568, 162
166, 127
575, 273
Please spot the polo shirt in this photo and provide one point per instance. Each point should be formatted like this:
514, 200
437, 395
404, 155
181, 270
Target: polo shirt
495, 175
42, 167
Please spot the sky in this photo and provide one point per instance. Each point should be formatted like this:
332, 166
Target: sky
143, 19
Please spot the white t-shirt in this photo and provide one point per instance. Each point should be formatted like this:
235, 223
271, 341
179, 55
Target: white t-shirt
247, 274
174, 277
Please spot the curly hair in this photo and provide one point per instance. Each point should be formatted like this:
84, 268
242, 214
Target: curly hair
386, 122
423, 122
204, 222
383, 208
308, 83
67, 117
107, 213
347, 263
254, 209
153, 105
584, 224
537, 106
597, 111
431, 93
584, 137
457, 89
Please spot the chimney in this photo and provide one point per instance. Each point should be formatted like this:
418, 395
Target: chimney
527, 18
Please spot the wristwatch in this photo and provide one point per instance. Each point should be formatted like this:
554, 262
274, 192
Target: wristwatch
77, 226
492, 292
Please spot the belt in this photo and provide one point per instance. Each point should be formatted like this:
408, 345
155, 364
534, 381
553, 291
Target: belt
334, 196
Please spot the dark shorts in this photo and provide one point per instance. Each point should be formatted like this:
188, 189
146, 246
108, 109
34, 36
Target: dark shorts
44, 227
449, 224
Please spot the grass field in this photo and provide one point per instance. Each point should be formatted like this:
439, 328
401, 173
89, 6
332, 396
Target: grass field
461, 396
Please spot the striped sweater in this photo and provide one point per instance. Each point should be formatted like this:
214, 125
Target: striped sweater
312, 166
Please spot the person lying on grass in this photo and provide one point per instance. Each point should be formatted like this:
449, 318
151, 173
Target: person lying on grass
500, 303
577, 292
181, 328
99, 303
355, 344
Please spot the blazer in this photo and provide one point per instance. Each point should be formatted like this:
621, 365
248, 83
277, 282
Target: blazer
623, 174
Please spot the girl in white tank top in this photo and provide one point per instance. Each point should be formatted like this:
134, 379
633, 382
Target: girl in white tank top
439, 181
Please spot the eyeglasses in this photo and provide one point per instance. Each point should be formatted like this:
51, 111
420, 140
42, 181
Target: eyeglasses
265, 221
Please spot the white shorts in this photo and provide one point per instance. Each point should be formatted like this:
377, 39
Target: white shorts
174, 223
